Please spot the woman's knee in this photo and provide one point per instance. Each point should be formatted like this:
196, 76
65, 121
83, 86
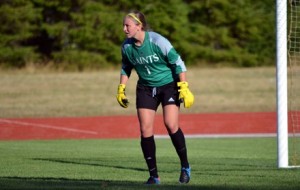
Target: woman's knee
172, 128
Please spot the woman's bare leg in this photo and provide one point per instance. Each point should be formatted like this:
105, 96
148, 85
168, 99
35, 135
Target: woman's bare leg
146, 120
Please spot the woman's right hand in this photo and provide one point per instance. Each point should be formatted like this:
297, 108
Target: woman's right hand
121, 97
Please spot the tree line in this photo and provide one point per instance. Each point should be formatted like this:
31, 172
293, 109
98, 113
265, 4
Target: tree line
80, 34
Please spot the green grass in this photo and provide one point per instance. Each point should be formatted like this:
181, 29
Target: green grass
57, 94
248, 163
224, 163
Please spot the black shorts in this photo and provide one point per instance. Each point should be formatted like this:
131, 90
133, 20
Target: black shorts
151, 97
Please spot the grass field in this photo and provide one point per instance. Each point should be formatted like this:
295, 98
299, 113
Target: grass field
56, 94
224, 163
217, 163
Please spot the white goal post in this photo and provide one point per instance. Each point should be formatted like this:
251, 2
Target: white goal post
287, 53
281, 83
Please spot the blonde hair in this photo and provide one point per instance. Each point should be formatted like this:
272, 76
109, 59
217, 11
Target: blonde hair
139, 18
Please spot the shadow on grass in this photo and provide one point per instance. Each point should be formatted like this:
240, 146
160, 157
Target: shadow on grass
81, 162
26, 183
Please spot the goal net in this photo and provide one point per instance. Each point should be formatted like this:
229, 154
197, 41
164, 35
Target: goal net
288, 82
294, 80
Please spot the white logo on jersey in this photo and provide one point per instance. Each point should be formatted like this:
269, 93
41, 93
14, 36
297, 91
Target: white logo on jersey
147, 59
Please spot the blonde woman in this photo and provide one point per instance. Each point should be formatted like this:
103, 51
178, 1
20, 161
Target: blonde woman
162, 80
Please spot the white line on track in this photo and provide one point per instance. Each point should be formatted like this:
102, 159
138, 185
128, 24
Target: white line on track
47, 126
238, 135
241, 135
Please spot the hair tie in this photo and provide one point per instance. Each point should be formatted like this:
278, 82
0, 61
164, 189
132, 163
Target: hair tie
135, 18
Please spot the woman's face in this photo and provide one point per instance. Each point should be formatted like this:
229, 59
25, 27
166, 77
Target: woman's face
130, 28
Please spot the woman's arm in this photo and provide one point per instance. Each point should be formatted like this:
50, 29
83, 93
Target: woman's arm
123, 79
182, 76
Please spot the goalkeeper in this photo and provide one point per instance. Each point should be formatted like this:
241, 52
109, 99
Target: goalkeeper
162, 80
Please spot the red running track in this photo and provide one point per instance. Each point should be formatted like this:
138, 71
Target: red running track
103, 127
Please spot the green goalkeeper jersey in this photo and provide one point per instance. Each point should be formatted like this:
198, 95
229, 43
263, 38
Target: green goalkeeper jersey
156, 62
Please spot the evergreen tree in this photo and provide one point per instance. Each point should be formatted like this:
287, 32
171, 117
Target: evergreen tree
80, 34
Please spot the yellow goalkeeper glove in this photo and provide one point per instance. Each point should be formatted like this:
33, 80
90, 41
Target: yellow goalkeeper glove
121, 97
185, 95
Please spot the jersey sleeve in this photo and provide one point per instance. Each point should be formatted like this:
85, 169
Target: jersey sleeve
176, 62
126, 65
172, 57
